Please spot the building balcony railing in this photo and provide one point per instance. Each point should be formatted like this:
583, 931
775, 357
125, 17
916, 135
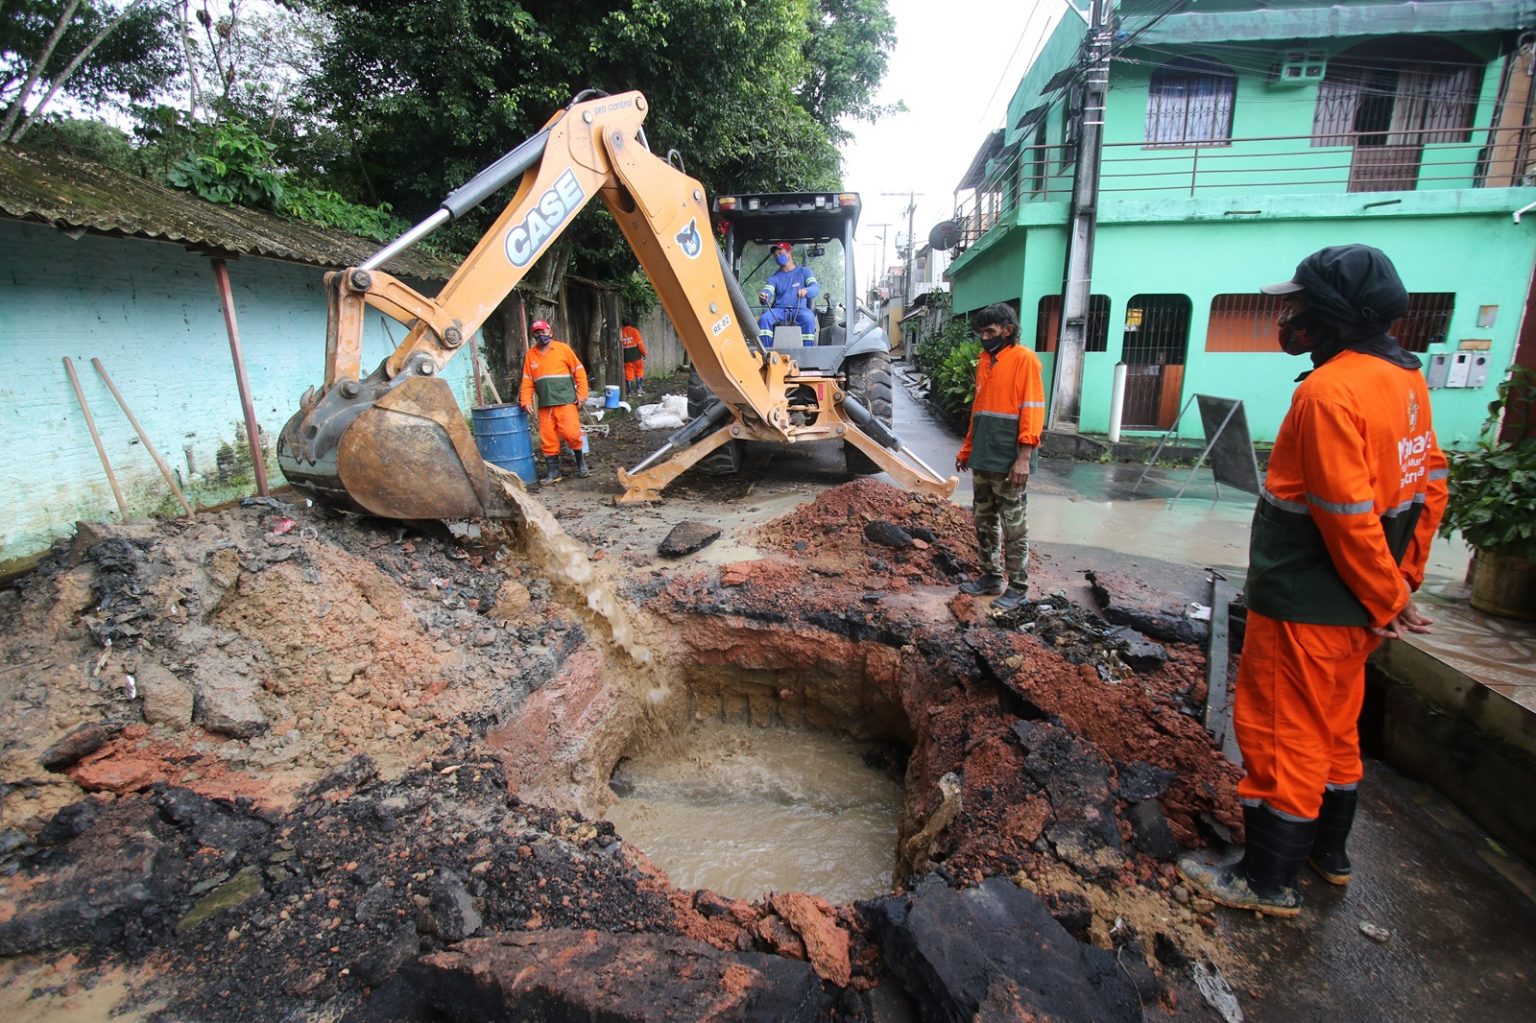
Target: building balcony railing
1400, 161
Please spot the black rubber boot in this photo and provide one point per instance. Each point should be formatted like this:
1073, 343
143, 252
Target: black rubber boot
984, 586
1335, 819
551, 470
1264, 880
581, 464
1013, 598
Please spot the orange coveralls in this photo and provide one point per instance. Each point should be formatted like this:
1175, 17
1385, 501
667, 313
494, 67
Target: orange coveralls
634, 353
559, 380
1355, 490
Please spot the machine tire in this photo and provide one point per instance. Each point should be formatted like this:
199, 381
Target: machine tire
872, 380
724, 460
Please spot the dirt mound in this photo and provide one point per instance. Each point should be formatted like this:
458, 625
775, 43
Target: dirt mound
250, 651
875, 534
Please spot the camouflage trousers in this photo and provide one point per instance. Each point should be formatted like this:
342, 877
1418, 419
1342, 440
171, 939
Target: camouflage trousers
1001, 526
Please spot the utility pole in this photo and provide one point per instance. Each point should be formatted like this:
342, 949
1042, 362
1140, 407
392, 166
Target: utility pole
1077, 281
906, 288
878, 269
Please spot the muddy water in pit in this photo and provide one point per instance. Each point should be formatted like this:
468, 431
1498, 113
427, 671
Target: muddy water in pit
745, 811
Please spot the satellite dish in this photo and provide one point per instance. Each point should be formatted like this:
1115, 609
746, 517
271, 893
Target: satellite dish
945, 235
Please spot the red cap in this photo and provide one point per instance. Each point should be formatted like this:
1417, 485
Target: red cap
541, 327
786, 246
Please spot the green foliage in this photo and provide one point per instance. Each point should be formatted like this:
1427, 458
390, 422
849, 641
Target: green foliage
429, 93
230, 164
845, 58
954, 382
325, 208
88, 140
932, 352
1493, 486
233, 166
636, 293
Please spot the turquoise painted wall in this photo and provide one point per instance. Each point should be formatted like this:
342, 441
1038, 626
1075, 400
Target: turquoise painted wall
149, 311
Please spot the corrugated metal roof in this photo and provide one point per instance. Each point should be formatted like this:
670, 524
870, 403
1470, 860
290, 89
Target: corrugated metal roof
74, 194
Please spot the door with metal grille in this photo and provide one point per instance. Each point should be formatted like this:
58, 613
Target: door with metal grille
1155, 345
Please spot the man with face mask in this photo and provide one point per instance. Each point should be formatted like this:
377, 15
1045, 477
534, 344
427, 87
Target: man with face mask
553, 375
1006, 419
788, 296
1354, 492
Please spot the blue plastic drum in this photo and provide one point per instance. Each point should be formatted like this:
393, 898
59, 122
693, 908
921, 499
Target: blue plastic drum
503, 437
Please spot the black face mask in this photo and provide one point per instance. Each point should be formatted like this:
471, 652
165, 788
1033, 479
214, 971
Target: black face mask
996, 344
1305, 332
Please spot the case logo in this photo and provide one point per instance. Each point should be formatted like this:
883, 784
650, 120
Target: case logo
537, 227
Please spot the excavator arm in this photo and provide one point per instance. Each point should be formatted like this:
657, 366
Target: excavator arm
395, 443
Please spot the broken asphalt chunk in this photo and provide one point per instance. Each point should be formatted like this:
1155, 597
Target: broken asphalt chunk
687, 537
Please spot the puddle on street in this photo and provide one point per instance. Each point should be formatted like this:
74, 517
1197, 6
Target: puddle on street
746, 811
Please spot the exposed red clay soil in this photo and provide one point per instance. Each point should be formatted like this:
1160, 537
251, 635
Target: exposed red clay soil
289, 765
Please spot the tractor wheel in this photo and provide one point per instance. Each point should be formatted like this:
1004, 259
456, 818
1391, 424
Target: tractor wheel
724, 460
871, 380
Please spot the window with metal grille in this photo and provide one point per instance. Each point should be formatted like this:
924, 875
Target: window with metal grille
1096, 327
1248, 323
1398, 92
1189, 101
1243, 323
1426, 322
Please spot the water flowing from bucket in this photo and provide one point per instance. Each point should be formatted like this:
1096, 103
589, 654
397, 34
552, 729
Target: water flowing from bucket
611, 617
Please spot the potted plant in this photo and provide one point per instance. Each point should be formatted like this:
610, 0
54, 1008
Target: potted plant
1493, 501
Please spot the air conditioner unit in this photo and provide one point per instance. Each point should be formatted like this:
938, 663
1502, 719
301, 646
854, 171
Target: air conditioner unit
1300, 67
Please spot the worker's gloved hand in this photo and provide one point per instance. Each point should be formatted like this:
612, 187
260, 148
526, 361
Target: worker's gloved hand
962, 465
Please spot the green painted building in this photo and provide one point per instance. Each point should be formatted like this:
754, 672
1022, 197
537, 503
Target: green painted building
1239, 136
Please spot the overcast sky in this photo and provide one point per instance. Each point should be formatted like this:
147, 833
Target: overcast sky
955, 66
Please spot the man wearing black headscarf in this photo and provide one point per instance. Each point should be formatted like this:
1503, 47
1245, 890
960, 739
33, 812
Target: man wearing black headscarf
1352, 497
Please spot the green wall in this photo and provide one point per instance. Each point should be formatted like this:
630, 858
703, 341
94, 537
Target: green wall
1290, 199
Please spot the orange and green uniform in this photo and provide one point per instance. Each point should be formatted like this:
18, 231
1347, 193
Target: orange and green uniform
634, 353
1007, 415
1355, 490
557, 378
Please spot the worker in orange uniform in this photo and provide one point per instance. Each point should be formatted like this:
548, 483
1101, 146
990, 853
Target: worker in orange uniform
1006, 419
634, 359
553, 374
1353, 495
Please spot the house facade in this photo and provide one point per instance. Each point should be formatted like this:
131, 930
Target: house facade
1239, 136
102, 265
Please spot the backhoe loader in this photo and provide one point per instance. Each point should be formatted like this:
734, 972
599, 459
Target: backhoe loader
395, 443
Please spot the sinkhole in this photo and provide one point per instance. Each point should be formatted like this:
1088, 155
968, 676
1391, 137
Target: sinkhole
769, 789
747, 811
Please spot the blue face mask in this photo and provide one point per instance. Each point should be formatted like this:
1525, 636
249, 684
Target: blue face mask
782, 258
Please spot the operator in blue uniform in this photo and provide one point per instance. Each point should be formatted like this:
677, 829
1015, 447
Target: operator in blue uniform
788, 296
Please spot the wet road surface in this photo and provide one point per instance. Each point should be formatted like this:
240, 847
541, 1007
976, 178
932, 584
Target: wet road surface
1460, 912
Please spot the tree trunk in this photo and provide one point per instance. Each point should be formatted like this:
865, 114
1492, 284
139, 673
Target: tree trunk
20, 105
72, 67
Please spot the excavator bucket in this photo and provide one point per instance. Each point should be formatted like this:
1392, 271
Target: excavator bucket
406, 454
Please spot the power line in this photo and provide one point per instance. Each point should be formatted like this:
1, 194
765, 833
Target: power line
1003, 74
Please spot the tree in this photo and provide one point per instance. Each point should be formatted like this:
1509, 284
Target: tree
433, 91
93, 51
845, 58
